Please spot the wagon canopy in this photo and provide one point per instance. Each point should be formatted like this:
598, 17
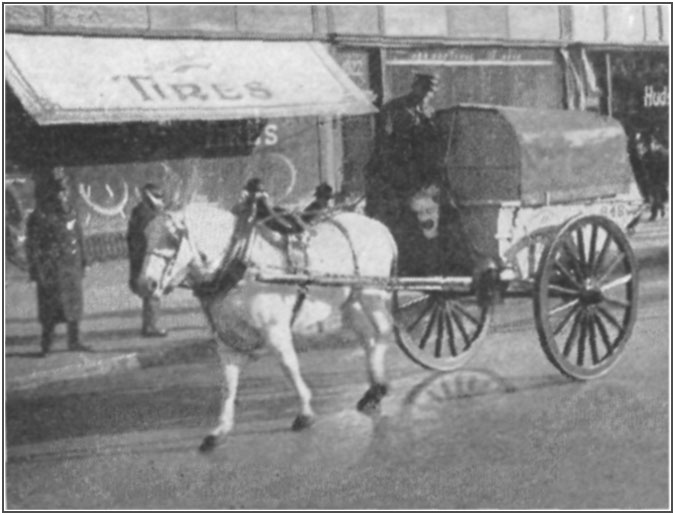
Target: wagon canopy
534, 156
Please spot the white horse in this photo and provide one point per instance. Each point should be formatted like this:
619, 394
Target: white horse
191, 246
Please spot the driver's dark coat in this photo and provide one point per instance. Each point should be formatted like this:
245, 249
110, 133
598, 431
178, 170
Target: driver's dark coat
409, 157
410, 145
56, 259
137, 243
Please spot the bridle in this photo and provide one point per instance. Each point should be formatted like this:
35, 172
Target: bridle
180, 232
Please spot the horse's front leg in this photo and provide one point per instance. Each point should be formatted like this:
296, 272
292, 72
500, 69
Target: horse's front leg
371, 320
280, 339
232, 362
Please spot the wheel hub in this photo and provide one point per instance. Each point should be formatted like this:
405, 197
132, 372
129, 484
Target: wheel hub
591, 294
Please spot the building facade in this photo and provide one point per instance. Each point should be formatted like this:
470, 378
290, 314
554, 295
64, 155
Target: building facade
610, 58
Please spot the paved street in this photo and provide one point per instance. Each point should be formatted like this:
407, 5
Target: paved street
508, 432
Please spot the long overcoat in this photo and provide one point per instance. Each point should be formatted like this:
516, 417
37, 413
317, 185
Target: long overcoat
56, 259
141, 216
408, 157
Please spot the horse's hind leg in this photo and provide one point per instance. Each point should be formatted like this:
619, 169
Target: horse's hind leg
280, 339
232, 362
371, 320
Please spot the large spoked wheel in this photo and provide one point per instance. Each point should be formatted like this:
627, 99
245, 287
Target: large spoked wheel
439, 330
586, 296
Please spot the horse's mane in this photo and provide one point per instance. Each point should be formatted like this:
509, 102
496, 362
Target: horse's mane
210, 227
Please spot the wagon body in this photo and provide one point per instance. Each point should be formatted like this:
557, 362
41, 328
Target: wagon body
546, 195
519, 173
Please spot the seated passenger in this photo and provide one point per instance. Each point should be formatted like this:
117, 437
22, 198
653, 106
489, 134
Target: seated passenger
323, 196
437, 245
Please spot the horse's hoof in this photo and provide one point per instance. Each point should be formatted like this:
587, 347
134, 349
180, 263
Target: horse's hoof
371, 399
302, 422
208, 444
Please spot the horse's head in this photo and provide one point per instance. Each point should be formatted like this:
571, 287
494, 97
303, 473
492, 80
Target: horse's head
168, 256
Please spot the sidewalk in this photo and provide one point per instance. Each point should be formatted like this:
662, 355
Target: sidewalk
112, 323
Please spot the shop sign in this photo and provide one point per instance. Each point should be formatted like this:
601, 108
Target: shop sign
470, 57
655, 98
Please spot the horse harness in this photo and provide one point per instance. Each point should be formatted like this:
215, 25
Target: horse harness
295, 239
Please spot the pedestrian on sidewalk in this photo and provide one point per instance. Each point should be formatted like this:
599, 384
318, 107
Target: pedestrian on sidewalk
150, 206
56, 259
656, 162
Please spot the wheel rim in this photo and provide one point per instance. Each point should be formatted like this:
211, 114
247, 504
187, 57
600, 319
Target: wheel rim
586, 297
440, 330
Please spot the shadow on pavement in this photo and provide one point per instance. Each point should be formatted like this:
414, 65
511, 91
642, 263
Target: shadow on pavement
31, 419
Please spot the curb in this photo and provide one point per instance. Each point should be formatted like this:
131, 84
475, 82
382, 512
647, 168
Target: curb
190, 351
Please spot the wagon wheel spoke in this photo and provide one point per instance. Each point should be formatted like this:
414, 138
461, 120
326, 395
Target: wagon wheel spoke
429, 305
463, 311
591, 248
581, 347
610, 318
451, 332
582, 250
602, 253
567, 274
440, 332
462, 329
617, 302
563, 307
417, 300
575, 260
573, 334
619, 281
592, 339
603, 334
429, 329
560, 289
613, 264
565, 320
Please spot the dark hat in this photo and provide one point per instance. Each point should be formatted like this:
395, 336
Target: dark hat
254, 185
323, 190
429, 81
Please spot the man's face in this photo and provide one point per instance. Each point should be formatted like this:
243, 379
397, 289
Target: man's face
427, 212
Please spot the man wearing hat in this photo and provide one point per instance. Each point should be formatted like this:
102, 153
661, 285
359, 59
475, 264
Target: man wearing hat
56, 259
408, 142
152, 204
323, 194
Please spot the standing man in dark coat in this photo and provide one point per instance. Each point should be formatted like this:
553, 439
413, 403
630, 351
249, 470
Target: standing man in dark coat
409, 143
56, 259
151, 205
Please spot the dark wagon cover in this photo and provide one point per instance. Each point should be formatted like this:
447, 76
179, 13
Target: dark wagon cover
534, 156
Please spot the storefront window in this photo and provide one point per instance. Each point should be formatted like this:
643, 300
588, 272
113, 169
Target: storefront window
415, 20
507, 76
640, 92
